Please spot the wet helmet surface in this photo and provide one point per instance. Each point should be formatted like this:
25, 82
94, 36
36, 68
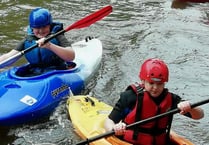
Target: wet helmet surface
154, 70
40, 17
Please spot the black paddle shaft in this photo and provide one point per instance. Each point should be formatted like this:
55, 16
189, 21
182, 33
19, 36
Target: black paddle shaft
46, 40
174, 111
21, 53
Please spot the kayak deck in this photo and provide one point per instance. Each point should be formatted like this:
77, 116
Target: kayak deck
25, 99
88, 114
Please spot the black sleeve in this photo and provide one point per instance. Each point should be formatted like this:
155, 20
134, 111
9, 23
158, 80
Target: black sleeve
178, 99
63, 41
20, 46
123, 106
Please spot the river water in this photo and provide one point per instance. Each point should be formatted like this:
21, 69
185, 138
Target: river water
134, 31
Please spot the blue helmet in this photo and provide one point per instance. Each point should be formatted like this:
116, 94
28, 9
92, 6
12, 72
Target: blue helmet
40, 17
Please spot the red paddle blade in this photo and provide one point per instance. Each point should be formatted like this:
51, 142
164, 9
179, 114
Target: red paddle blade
90, 19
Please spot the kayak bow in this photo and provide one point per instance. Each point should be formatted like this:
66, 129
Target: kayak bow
88, 114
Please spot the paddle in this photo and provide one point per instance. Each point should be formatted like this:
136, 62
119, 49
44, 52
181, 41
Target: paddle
84, 22
87, 141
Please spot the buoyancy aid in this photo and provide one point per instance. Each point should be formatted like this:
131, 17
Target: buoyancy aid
39, 56
151, 133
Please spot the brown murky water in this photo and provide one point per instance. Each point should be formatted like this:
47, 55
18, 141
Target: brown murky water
135, 31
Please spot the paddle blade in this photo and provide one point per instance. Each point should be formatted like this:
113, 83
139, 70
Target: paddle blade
9, 61
90, 19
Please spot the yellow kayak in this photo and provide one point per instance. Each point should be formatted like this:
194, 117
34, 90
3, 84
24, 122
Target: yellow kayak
88, 114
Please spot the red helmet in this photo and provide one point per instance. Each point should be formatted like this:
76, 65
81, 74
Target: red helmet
154, 70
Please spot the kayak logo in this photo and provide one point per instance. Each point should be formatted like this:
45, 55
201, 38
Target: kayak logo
28, 100
60, 90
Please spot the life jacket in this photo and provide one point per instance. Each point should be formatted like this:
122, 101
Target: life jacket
39, 56
151, 133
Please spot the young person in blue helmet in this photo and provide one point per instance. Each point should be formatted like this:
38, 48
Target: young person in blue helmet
145, 100
51, 55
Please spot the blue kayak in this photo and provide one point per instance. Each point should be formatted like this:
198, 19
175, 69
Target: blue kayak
25, 99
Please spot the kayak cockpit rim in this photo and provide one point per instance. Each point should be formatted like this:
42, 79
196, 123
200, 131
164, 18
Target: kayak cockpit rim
12, 72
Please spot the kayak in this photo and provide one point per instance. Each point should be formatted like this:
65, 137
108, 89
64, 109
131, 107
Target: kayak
87, 115
25, 99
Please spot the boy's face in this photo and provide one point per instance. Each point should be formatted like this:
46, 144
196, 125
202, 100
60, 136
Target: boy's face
41, 32
154, 88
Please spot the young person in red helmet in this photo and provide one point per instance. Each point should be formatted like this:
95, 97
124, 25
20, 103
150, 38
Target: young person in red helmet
145, 100
51, 55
